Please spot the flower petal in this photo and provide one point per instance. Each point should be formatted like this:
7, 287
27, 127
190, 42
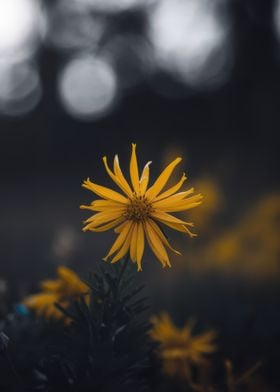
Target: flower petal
172, 190
162, 236
155, 189
181, 228
164, 217
125, 247
144, 180
108, 226
180, 205
101, 218
172, 199
120, 240
156, 245
134, 173
104, 210
140, 246
133, 244
72, 283
104, 192
51, 285
102, 205
104, 216
120, 227
122, 185
120, 176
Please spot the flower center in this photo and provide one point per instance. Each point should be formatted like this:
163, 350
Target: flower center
138, 209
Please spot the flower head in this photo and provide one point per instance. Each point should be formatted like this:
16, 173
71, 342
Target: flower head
136, 212
251, 247
179, 349
67, 286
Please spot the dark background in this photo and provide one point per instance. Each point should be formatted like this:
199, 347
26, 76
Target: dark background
228, 131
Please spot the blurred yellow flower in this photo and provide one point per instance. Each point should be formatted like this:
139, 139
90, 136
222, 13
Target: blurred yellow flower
252, 247
179, 349
136, 212
213, 202
66, 287
44, 305
68, 283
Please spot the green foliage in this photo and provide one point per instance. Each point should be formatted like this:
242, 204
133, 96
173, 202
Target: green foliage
105, 348
102, 344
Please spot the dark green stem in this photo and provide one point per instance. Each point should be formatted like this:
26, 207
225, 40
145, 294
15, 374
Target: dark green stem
125, 263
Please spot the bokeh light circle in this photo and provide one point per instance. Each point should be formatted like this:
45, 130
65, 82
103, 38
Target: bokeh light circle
21, 24
73, 27
115, 5
20, 88
88, 87
277, 18
190, 39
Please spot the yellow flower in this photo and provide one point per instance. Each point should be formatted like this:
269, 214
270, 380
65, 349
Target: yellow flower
251, 247
135, 214
67, 286
213, 203
44, 305
179, 349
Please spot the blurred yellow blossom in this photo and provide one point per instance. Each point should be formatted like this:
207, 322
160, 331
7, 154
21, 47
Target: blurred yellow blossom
68, 283
179, 349
213, 201
252, 247
66, 287
44, 305
137, 213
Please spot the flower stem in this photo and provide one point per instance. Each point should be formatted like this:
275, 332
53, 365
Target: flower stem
125, 263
